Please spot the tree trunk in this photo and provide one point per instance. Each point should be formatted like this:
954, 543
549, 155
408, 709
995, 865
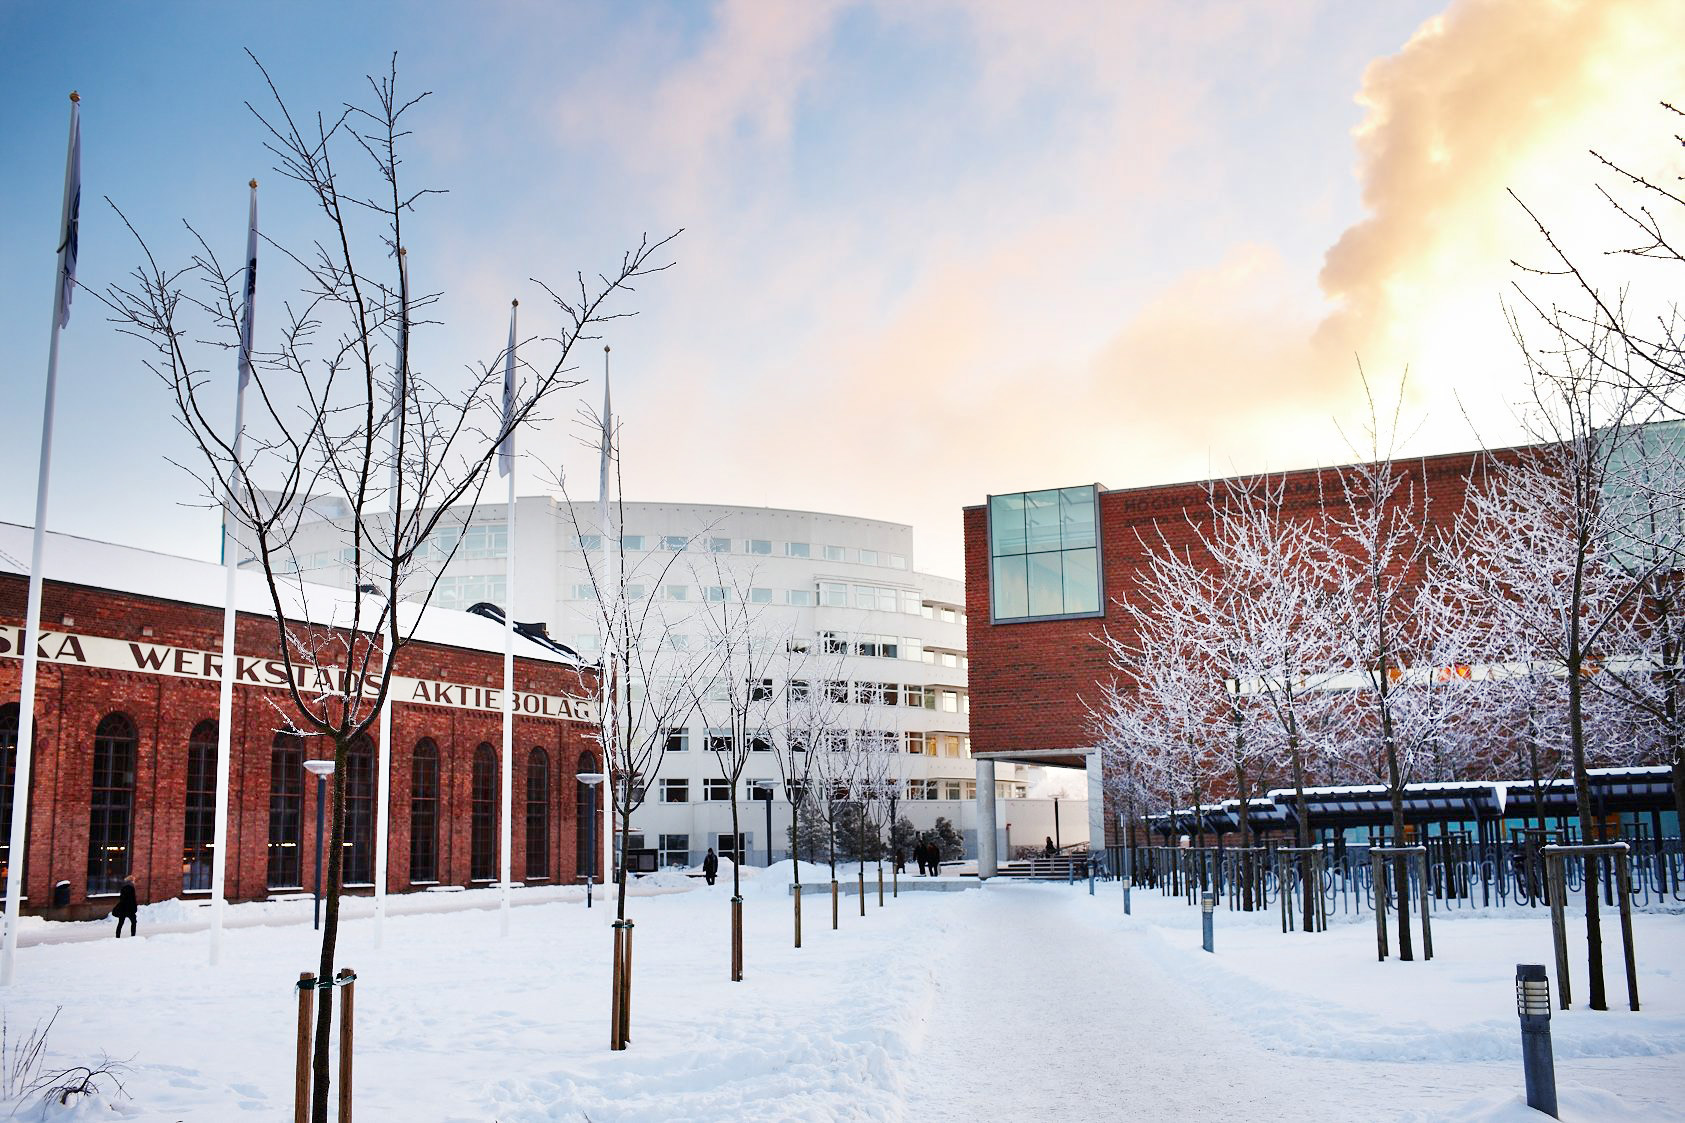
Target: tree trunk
1303, 832
1246, 901
1597, 1000
1400, 864
796, 863
319, 1062
737, 890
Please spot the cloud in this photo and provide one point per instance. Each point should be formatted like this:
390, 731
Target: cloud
1489, 96
735, 89
1130, 301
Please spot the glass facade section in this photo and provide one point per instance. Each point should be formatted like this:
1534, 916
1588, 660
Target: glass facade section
1044, 556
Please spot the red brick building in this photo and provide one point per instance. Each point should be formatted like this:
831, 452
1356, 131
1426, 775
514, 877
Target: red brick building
1039, 595
123, 778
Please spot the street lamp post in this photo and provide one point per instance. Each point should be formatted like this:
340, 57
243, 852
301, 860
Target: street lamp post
321, 769
590, 780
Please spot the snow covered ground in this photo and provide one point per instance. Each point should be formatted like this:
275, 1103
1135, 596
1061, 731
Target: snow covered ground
1033, 1002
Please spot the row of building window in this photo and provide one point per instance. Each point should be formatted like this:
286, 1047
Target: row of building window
829, 594
111, 807
835, 740
753, 547
872, 645
869, 645
715, 789
463, 592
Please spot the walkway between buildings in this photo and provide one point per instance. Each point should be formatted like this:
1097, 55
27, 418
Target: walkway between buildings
1044, 1009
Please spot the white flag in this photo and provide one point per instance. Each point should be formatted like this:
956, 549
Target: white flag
72, 207
251, 293
506, 448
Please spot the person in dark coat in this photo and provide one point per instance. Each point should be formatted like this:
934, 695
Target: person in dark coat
921, 851
127, 909
711, 866
900, 860
1049, 850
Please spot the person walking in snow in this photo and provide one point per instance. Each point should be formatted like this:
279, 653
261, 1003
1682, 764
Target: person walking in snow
710, 866
900, 860
1049, 850
126, 909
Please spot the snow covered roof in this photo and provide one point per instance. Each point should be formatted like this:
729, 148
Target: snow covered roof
126, 569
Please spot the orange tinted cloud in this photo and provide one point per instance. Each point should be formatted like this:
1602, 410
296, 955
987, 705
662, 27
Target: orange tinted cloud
1022, 351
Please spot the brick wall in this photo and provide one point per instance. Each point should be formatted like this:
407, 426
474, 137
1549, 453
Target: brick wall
1031, 682
72, 700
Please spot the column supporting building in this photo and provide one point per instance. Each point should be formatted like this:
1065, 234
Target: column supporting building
986, 857
1096, 801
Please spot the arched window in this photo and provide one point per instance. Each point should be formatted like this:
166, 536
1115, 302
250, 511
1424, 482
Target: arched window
482, 831
357, 846
9, 717
584, 801
286, 812
111, 804
538, 815
424, 812
198, 834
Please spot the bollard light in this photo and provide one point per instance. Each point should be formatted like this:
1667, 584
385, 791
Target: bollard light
1207, 906
1532, 1006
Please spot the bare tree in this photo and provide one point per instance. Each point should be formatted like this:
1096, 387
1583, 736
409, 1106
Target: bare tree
1650, 359
809, 716
835, 768
338, 417
743, 654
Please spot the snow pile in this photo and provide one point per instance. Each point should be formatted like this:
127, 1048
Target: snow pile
1325, 995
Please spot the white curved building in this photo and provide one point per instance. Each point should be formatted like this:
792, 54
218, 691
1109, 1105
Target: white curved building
847, 584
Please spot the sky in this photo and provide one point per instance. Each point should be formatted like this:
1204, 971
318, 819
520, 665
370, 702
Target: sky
930, 251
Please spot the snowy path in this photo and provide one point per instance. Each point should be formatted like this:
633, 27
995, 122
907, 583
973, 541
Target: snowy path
1050, 1005
1022, 1002
1043, 1013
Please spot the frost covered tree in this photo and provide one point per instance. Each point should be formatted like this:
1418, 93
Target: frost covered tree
1166, 711
341, 406
1405, 646
1542, 553
1267, 617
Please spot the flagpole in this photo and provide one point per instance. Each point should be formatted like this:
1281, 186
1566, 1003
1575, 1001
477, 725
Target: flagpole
383, 775
230, 562
507, 462
611, 701
64, 279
